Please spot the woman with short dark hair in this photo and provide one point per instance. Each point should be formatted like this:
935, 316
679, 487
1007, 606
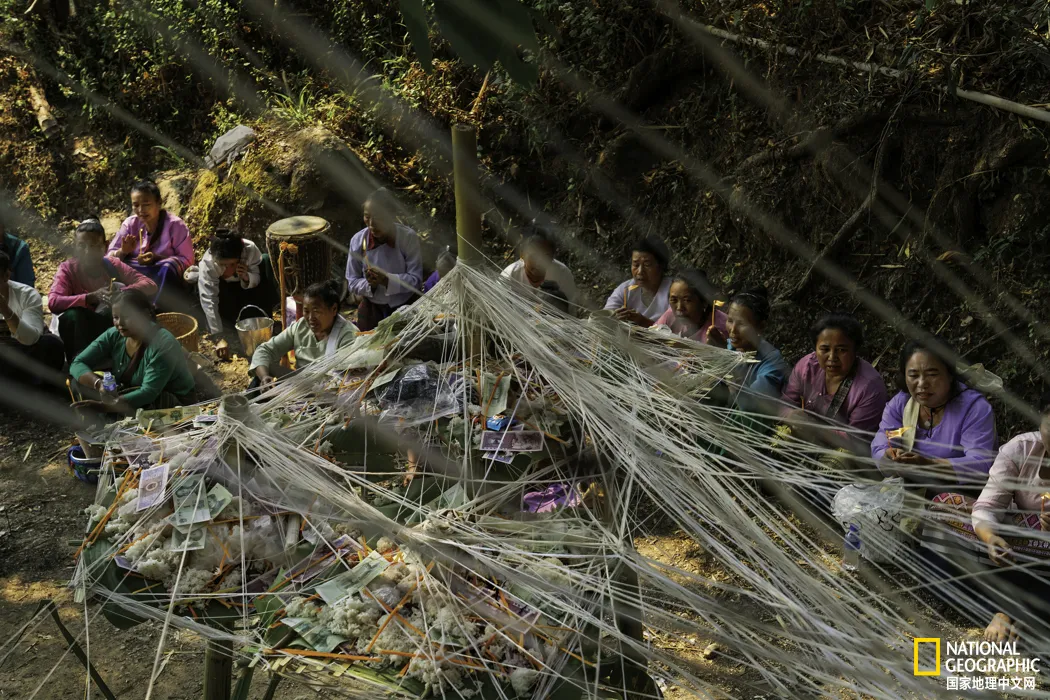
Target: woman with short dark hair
937, 429
691, 312
833, 382
318, 334
642, 299
759, 382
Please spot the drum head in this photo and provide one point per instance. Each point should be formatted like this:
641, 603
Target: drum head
297, 226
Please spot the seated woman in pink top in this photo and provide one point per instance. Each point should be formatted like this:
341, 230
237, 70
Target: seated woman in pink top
154, 243
832, 386
1008, 525
691, 312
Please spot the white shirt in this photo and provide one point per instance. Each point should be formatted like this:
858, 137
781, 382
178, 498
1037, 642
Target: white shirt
557, 273
652, 307
211, 275
27, 304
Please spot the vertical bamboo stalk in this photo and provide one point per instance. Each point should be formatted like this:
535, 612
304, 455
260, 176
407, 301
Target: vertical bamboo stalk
218, 669
468, 196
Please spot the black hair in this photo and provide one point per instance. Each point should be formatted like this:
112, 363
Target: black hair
534, 234
226, 244
655, 246
5, 262
137, 300
756, 299
148, 187
383, 200
91, 224
840, 322
944, 356
329, 292
1044, 403
698, 284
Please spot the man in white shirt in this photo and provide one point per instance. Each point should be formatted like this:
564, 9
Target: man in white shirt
27, 350
231, 278
538, 269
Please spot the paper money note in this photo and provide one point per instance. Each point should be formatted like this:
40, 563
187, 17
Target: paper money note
494, 393
218, 499
191, 503
512, 441
320, 561
318, 637
505, 457
151, 487
187, 539
353, 581
163, 418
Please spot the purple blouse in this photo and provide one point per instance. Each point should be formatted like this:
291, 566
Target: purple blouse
862, 409
965, 436
172, 244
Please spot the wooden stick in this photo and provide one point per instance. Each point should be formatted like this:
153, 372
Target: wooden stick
325, 655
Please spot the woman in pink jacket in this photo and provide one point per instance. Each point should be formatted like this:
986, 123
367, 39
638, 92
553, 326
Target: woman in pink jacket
154, 242
80, 292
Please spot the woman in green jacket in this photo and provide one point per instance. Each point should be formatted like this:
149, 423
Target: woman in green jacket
146, 360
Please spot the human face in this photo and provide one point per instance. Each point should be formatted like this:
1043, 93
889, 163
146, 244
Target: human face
927, 380
645, 270
537, 259
685, 303
380, 223
743, 330
89, 248
130, 322
836, 353
145, 206
319, 317
228, 265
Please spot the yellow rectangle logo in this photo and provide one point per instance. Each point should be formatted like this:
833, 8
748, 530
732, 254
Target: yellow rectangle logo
936, 641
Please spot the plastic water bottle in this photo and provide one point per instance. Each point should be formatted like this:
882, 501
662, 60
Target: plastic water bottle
851, 555
109, 383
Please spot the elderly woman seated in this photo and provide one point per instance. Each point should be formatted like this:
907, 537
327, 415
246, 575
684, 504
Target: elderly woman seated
832, 386
1007, 525
937, 431
146, 360
319, 333
692, 313
642, 299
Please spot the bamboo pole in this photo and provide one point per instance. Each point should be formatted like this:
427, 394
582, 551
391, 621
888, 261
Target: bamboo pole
468, 197
978, 97
218, 669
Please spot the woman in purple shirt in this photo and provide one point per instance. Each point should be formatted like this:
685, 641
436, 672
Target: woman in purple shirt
152, 241
832, 385
936, 431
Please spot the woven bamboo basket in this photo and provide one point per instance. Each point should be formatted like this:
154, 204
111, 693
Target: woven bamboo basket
183, 327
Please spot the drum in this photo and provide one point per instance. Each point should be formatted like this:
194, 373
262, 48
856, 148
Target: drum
307, 255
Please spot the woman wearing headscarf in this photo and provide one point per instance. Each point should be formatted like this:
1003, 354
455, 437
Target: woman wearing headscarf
153, 241
642, 300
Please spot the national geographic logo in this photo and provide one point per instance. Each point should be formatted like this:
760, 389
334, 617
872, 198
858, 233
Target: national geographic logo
921, 656
973, 665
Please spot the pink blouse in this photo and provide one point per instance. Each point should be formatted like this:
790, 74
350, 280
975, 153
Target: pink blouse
680, 327
1013, 479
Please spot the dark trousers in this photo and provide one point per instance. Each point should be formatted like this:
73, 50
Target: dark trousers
233, 298
32, 364
78, 327
369, 314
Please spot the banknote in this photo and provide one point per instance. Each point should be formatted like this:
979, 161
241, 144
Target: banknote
191, 503
151, 487
322, 560
187, 539
512, 441
218, 499
159, 419
505, 457
353, 581
316, 636
494, 392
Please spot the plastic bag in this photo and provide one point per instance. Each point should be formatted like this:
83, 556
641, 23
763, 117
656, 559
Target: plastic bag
418, 394
876, 510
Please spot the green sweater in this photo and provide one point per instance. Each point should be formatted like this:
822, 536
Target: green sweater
163, 366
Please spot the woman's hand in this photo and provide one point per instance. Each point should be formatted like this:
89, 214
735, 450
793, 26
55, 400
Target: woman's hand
632, 316
147, 258
242, 272
264, 375
128, 244
375, 277
999, 551
99, 296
